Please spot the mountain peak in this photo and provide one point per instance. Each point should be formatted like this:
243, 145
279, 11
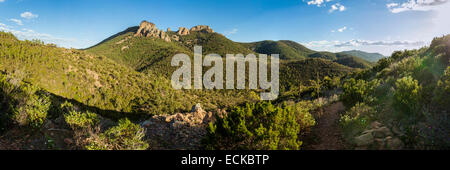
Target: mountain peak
202, 28
148, 29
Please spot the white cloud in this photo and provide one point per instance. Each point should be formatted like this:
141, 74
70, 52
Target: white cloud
384, 47
391, 5
2, 1
17, 21
233, 31
317, 2
28, 15
337, 7
28, 34
342, 29
415, 5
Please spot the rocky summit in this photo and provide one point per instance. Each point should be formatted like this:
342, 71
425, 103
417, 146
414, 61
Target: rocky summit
148, 29
183, 31
202, 28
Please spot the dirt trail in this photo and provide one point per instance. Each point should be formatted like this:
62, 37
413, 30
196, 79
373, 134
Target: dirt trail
327, 131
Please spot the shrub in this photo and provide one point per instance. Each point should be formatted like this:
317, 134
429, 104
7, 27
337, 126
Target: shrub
23, 103
34, 112
358, 91
356, 120
81, 120
260, 126
125, 136
407, 95
442, 92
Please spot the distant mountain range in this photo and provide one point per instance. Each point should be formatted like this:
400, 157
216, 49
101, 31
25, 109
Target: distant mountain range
372, 57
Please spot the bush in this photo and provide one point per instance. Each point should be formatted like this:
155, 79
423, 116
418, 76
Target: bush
81, 120
358, 91
442, 92
407, 95
356, 120
260, 126
23, 103
34, 112
125, 136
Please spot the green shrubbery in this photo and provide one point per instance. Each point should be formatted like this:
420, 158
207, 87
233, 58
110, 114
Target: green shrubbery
86, 126
355, 91
260, 126
23, 103
125, 136
356, 120
81, 120
407, 95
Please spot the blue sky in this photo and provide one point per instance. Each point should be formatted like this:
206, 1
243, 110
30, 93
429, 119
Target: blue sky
326, 25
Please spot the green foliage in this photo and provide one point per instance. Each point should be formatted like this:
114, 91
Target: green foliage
81, 120
295, 73
355, 91
443, 89
407, 95
25, 104
125, 136
260, 126
92, 80
342, 58
356, 120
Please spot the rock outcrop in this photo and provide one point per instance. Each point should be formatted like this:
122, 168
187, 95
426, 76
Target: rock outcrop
183, 31
148, 29
379, 137
181, 130
202, 28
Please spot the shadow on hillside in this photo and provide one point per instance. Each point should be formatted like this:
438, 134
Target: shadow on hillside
110, 114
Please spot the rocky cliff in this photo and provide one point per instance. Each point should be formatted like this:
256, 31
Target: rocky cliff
148, 29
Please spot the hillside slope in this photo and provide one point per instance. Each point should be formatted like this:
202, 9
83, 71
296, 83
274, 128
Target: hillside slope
286, 49
402, 102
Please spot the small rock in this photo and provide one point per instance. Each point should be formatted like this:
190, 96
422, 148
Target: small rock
68, 141
395, 144
382, 132
147, 123
375, 125
197, 108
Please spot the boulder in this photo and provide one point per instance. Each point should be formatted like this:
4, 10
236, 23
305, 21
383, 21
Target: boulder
394, 144
364, 140
68, 141
197, 108
382, 132
183, 31
175, 38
